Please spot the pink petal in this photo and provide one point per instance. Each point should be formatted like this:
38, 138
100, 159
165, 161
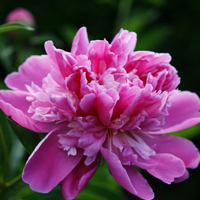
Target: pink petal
168, 167
100, 56
179, 147
48, 165
183, 177
127, 176
87, 102
72, 185
50, 49
80, 42
14, 104
104, 105
183, 113
27, 73
142, 187
123, 42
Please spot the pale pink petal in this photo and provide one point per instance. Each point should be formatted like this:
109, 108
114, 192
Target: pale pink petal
72, 185
48, 165
127, 176
27, 73
80, 42
124, 42
183, 113
168, 167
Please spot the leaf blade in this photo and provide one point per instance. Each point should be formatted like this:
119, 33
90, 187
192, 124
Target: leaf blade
14, 26
28, 138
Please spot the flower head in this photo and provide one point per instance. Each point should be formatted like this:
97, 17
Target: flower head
22, 15
102, 100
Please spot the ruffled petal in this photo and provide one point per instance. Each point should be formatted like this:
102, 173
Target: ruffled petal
80, 42
27, 75
72, 185
48, 165
127, 176
183, 113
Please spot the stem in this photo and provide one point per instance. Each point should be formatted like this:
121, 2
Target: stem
13, 182
9, 185
6, 155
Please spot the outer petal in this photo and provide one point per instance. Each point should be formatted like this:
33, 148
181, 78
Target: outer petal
183, 113
73, 184
179, 147
127, 176
80, 42
168, 167
27, 75
49, 165
14, 104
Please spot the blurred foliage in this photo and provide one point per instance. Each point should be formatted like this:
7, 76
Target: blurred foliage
161, 25
14, 27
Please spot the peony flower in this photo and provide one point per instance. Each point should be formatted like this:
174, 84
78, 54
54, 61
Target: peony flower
20, 14
102, 100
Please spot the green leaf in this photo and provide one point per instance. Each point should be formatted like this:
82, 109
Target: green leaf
14, 27
28, 138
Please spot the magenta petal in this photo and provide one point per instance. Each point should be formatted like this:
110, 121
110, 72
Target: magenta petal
14, 104
168, 167
48, 165
183, 113
179, 147
80, 42
142, 187
72, 185
183, 177
127, 176
104, 105
27, 75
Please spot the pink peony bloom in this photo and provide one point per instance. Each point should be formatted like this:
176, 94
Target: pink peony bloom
20, 14
102, 100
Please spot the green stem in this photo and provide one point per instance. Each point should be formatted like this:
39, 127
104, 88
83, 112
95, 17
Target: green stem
9, 185
6, 155
13, 182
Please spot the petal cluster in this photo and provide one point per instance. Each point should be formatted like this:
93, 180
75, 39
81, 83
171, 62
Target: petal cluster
105, 100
